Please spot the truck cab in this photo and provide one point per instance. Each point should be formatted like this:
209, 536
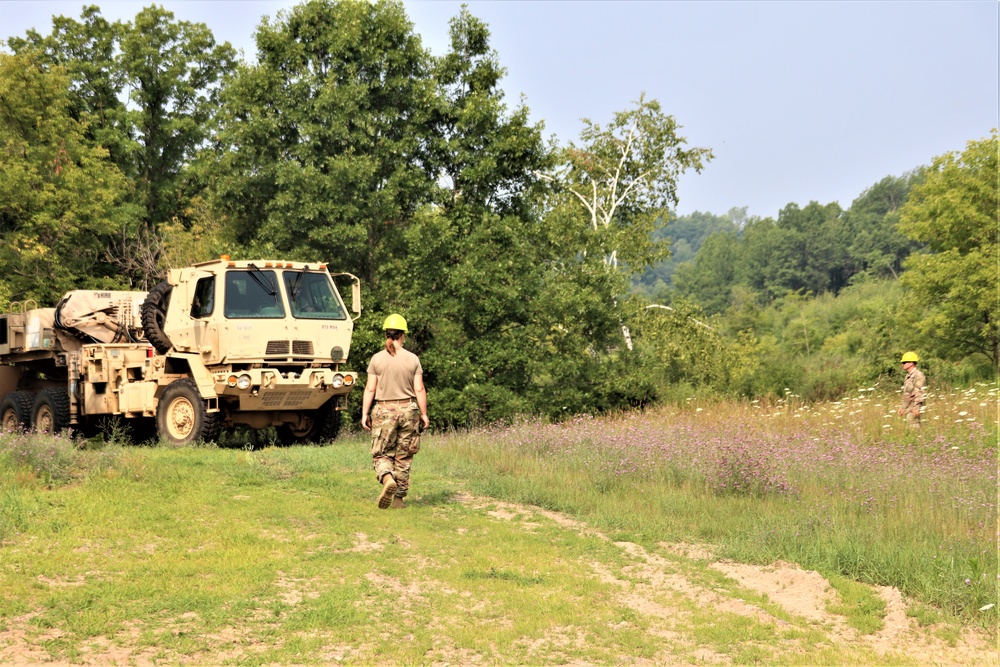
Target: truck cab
262, 341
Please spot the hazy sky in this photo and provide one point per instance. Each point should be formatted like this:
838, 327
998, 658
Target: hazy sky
800, 101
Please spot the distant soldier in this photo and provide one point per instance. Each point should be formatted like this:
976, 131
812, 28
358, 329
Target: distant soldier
913, 391
396, 385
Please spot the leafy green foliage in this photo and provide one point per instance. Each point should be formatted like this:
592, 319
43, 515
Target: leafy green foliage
327, 138
61, 199
686, 347
146, 91
625, 176
954, 211
875, 245
803, 250
685, 235
708, 279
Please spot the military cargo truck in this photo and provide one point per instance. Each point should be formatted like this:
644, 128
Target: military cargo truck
217, 345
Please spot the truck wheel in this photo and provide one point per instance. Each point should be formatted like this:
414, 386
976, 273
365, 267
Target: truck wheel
50, 413
321, 426
154, 312
181, 417
15, 411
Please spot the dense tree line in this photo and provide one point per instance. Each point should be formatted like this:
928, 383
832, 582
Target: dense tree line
535, 277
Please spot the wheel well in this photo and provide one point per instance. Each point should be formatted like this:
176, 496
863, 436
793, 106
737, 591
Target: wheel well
177, 366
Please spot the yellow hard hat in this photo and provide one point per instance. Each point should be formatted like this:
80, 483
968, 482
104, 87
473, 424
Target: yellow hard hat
910, 356
396, 322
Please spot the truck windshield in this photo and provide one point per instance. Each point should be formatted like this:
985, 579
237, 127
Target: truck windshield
249, 295
312, 297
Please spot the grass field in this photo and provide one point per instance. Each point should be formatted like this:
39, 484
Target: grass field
657, 538
842, 488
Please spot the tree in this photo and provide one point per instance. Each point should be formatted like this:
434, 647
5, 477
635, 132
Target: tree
61, 199
327, 140
625, 178
87, 50
472, 261
954, 212
490, 158
805, 250
683, 348
685, 234
875, 245
146, 91
174, 70
708, 279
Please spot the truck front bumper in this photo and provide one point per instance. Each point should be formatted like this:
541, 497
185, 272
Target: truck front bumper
267, 389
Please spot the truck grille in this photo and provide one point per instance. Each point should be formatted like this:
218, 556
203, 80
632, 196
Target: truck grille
289, 399
277, 347
302, 347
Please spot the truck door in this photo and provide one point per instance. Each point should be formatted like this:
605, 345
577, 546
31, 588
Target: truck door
195, 300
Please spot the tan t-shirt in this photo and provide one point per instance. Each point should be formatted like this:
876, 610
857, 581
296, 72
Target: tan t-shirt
395, 374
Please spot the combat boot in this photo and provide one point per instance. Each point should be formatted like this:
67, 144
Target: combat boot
397, 503
388, 489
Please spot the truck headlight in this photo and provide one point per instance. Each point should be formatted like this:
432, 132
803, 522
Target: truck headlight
348, 380
338, 381
243, 382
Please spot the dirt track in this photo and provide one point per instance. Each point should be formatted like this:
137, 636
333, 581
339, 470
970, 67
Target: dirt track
801, 593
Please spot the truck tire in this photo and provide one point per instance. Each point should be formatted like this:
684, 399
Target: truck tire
154, 312
323, 428
181, 416
15, 411
50, 412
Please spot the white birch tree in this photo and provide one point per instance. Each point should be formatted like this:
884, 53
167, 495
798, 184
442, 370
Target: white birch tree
625, 176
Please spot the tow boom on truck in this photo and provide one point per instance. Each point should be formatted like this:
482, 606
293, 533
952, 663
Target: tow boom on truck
216, 345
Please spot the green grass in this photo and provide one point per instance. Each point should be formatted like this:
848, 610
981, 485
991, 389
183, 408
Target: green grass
280, 556
926, 525
863, 609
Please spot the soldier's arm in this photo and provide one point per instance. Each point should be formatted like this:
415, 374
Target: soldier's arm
369, 397
918, 391
421, 392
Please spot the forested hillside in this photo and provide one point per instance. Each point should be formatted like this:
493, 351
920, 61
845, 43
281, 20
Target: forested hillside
536, 277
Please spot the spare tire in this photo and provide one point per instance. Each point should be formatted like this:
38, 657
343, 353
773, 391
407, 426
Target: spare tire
154, 313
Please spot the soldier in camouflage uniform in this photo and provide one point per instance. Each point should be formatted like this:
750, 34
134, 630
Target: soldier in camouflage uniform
396, 386
913, 391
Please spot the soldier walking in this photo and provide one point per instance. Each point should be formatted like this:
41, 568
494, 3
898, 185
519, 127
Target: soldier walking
913, 391
396, 386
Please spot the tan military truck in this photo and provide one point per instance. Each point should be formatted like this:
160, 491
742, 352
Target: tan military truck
217, 345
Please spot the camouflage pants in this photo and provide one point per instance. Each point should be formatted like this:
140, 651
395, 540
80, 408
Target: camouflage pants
395, 440
912, 420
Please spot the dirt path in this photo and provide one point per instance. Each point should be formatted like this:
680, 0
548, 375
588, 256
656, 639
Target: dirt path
803, 594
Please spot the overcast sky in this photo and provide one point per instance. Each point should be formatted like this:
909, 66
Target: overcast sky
799, 101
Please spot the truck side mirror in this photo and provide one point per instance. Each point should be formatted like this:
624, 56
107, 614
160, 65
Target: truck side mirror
355, 293
356, 297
